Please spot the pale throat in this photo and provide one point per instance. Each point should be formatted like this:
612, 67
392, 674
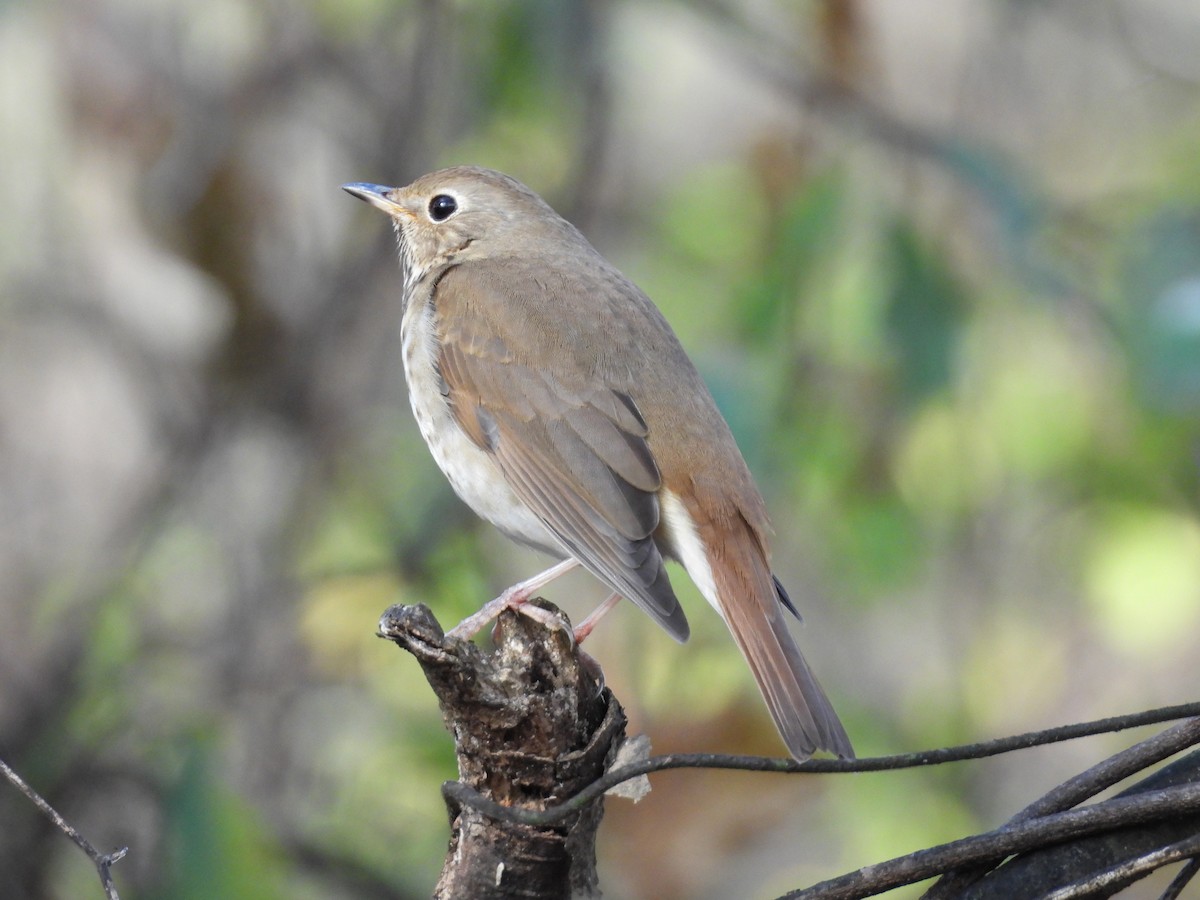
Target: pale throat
412, 271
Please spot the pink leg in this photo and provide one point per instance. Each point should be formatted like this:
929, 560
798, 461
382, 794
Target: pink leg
584, 628
513, 598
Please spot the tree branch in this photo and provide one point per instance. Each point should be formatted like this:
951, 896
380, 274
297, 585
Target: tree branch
1076, 790
1122, 874
1126, 850
980, 750
102, 861
531, 724
1151, 806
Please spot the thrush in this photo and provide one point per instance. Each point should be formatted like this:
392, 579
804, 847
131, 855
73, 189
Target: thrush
563, 410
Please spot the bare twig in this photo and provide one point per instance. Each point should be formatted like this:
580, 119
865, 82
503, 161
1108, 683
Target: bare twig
1114, 769
1151, 806
102, 861
1048, 820
1180, 881
1036, 872
1129, 870
465, 795
1085, 785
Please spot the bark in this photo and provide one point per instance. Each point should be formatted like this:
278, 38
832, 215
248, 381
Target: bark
532, 724
1040, 871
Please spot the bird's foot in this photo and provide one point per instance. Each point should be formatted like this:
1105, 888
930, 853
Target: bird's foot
584, 628
515, 597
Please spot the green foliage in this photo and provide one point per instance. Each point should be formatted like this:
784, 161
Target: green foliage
1140, 552
1162, 312
522, 72
924, 315
516, 64
219, 845
805, 235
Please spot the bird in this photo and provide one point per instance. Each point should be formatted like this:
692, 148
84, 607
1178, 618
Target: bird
563, 409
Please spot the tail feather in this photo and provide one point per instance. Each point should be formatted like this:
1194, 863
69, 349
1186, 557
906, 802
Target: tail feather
802, 712
726, 557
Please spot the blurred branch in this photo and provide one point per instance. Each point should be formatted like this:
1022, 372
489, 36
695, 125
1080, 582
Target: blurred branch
102, 861
1130, 26
767, 52
1013, 195
594, 21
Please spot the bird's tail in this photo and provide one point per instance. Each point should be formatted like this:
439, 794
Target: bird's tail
754, 612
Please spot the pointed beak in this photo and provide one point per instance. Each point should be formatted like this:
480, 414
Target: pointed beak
376, 195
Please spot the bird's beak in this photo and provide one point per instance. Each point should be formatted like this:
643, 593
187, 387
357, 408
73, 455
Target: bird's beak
376, 195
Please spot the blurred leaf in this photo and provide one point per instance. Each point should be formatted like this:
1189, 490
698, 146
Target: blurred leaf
1162, 285
806, 231
388, 814
354, 533
459, 583
1014, 670
693, 683
1018, 207
1143, 577
943, 465
880, 544
220, 847
718, 218
525, 71
526, 44
934, 810
352, 19
1037, 397
339, 616
924, 314
743, 395
1000, 184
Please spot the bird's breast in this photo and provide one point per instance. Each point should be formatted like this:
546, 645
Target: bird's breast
471, 471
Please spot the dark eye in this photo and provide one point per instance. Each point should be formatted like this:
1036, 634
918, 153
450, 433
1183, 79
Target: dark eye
442, 207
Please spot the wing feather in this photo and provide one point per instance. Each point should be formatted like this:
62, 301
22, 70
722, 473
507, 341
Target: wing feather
573, 448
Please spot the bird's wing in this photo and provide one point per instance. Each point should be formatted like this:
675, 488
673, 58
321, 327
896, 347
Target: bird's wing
570, 444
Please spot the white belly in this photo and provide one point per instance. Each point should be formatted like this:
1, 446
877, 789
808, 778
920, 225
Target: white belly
686, 545
472, 473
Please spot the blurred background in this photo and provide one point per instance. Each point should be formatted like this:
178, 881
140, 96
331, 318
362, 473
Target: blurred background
939, 262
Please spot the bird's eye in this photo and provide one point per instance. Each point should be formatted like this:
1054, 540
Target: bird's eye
442, 207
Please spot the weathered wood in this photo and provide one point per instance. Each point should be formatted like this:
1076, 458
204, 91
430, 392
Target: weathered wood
532, 724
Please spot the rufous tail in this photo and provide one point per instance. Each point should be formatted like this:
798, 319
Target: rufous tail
756, 618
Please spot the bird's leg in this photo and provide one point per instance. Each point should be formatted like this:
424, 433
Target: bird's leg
584, 628
515, 597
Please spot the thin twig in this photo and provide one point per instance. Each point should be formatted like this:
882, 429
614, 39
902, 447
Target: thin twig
1007, 840
1113, 770
1087, 784
1180, 881
463, 794
102, 861
1129, 870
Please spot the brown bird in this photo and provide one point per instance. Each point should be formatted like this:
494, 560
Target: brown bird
563, 410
